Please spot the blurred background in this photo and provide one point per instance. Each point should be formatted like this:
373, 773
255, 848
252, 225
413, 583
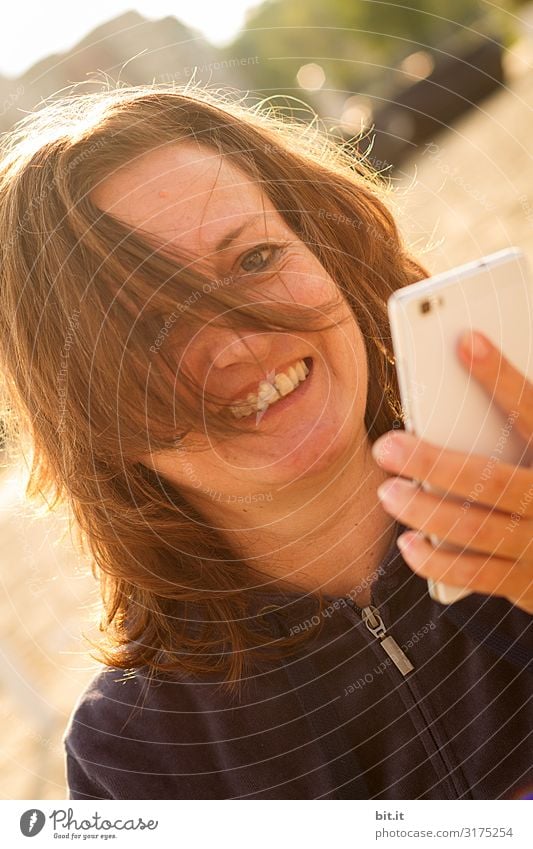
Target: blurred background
440, 99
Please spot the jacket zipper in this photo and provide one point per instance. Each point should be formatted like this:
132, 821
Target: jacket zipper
376, 626
374, 623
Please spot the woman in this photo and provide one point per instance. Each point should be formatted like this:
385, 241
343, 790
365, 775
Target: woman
196, 349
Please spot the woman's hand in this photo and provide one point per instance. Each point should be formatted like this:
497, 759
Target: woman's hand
488, 506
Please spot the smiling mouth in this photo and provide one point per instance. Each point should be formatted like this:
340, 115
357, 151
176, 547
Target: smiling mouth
278, 386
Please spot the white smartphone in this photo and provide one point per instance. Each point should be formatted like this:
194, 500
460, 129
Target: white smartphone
441, 402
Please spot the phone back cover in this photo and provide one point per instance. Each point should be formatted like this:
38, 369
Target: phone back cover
442, 403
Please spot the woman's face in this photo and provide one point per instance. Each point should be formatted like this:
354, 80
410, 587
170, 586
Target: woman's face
192, 198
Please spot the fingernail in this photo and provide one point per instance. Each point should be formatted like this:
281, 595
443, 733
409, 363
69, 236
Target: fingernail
388, 448
407, 539
395, 489
474, 345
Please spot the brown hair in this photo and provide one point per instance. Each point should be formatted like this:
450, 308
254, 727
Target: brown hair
83, 299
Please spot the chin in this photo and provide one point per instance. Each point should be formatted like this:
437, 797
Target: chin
305, 449
314, 430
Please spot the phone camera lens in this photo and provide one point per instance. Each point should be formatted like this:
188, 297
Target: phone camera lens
425, 306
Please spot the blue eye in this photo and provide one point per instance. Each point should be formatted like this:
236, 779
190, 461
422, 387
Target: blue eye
257, 263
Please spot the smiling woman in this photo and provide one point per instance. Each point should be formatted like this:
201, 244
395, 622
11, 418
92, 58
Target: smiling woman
136, 206
210, 426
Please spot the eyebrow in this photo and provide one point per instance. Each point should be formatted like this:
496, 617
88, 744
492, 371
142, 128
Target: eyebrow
226, 241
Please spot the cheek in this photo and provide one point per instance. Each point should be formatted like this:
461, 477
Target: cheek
304, 281
180, 468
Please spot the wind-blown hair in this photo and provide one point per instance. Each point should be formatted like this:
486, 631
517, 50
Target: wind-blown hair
88, 308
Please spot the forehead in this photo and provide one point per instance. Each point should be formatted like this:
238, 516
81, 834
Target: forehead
184, 193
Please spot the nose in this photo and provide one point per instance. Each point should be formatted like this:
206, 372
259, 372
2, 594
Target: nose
229, 346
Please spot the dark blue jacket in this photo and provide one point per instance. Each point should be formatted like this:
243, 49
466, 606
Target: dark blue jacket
340, 721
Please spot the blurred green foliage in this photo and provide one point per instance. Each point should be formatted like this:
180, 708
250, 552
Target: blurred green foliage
358, 43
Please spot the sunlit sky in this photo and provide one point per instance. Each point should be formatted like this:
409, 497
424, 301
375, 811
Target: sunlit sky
32, 29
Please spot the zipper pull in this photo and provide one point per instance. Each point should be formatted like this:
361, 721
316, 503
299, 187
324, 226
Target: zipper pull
376, 626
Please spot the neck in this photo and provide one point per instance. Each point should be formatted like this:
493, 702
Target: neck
331, 534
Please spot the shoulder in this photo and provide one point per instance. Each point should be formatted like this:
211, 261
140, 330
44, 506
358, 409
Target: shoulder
494, 622
107, 698
120, 702
104, 706
126, 725
94, 722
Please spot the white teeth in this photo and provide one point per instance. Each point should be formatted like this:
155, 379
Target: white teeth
300, 370
284, 384
293, 374
241, 412
269, 393
246, 409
